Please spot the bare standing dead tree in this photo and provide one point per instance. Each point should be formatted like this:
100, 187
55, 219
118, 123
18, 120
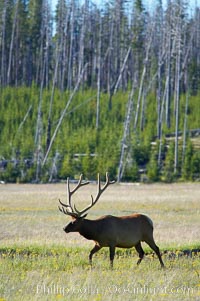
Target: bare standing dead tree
178, 42
83, 29
49, 125
143, 78
185, 127
2, 44
71, 48
125, 143
12, 42
122, 70
99, 76
42, 70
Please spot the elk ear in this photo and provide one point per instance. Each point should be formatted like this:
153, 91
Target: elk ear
74, 218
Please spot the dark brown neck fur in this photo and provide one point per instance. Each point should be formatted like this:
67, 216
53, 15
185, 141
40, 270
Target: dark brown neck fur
88, 229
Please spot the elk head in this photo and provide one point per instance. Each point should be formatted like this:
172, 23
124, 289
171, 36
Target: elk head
76, 215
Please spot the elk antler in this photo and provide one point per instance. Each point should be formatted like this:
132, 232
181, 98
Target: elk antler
99, 192
64, 208
69, 210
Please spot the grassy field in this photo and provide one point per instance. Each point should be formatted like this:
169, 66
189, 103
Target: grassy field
38, 261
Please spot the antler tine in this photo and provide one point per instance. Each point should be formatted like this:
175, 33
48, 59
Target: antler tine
71, 212
63, 204
79, 184
68, 194
65, 211
108, 182
100, 191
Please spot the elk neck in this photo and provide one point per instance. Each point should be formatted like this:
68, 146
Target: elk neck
88, 229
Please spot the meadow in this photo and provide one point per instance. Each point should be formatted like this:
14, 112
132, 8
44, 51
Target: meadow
38, 261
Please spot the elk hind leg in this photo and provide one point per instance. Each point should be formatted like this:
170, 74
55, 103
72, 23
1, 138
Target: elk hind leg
140, 251
94, 250
154, 247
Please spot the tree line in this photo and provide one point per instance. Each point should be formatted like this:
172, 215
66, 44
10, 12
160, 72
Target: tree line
152, 58
121, 43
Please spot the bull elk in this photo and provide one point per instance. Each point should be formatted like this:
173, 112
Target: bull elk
109, 231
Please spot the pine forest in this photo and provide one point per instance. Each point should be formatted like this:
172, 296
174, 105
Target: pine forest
90, 88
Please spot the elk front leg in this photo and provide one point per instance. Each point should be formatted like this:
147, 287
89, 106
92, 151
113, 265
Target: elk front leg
112, 255
94, 250
140, 251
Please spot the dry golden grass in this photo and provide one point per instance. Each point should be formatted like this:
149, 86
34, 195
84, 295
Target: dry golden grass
29, 213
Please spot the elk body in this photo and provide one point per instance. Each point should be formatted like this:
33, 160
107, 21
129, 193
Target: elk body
110, 231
